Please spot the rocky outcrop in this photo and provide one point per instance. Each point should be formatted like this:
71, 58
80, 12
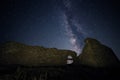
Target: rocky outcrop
96, 54
17, 53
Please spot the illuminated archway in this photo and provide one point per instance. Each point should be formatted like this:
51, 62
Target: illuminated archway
70, 59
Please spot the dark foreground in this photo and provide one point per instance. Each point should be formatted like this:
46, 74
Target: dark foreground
68, 72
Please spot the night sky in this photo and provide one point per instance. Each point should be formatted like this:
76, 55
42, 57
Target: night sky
63, 24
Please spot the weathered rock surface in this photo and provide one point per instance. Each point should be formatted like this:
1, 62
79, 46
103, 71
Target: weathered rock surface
17, 53
96, 54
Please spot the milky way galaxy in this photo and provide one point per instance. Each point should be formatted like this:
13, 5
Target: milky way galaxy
63, 24
73, 28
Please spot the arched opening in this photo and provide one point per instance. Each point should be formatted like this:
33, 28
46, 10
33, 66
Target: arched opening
70, 59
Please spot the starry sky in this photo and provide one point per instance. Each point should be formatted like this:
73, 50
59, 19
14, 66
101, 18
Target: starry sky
63, 24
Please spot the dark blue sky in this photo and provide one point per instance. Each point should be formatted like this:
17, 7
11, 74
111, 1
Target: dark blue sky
62, 24
33, 22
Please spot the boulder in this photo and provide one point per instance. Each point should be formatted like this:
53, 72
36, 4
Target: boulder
96, 54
